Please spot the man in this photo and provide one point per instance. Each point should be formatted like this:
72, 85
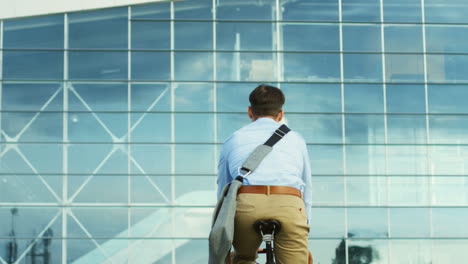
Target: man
286, 165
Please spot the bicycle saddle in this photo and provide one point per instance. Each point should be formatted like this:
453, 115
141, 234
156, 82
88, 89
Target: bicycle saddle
267, 226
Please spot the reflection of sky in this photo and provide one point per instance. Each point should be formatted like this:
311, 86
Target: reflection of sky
105, 156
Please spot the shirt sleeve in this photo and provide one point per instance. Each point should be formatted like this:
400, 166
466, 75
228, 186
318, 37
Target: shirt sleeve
307, 178
224, 176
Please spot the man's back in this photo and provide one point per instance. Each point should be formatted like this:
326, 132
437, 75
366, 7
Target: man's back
286, 165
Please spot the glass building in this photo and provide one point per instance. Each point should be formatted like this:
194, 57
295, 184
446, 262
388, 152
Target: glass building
111, 123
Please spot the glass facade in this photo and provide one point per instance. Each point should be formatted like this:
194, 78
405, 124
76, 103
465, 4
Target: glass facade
111, 123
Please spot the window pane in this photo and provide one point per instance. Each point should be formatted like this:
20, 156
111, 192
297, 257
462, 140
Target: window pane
99, 222
151, 35
326, 159
311, 97
244, 36
450, 191
252, 10
245, 66
449, 160
441, 11
93, 65
24, 227
448, 250
327, 191
92, 192
97, 127
363, 67
365, 160
36, 32
303, 37
151, 159
448, 98
404, 67
147, 65
105, 28
311, 67
368, 129
324, 250
406, 129
13, 162
317, 128
194, 9
328, 222
361, 10
408, 191
150, 97
152, 11
27, 65
407, 160
447, 38
449, 222
194, 159
404, 98
448, 129
150, 189
410, 222
363, 98
32, 96
366, 191
315, 10
403, 38
196, 190
194, 97
94, 158
185, 124
193, 35
151, 127
402, 11
98, 97
193, 66
442, 68
26, 188
367, 222
362, 38
33, 127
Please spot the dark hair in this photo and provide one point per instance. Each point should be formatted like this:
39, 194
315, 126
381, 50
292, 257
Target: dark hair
266, 100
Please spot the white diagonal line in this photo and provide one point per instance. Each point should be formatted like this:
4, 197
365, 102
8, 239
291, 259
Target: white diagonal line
4, 152
38, 236
37, 114
38, 174
5, 134
89, 235
149, 109
92, 174
92, 112
2, 261
150, 180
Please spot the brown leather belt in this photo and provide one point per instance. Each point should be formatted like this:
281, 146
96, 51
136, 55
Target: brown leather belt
269, 189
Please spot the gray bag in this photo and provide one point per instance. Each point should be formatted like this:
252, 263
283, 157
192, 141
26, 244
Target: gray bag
222, 230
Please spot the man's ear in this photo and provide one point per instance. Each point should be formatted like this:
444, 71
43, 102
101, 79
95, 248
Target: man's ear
280, 116
249, 112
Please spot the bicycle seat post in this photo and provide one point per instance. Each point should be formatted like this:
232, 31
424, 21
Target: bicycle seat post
267, 229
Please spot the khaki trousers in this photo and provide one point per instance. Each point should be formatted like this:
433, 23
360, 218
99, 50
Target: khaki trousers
290, 244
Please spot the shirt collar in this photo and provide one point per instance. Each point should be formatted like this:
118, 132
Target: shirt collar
265, 120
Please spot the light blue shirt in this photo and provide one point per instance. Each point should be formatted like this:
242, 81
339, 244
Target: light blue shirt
287, 164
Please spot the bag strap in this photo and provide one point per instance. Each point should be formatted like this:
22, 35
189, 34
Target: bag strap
260, 152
